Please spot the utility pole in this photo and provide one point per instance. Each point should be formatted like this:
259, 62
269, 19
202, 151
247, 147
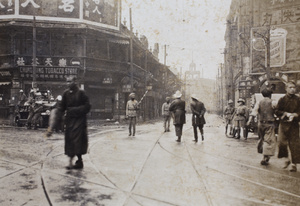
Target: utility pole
34, 86
165, 55
131, 51
268, 41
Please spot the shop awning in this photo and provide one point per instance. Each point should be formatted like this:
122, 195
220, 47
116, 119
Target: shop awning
4, 83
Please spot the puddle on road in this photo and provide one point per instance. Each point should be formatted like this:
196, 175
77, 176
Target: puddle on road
75, 191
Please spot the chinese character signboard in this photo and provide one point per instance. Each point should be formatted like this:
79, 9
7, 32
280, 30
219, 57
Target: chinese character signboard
48, 73
103, 13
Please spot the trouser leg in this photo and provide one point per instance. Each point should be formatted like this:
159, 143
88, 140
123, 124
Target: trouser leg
201, 131
130, 125
195, 133
168, 123
133, 125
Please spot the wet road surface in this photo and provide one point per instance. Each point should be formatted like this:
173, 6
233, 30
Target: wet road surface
149, 169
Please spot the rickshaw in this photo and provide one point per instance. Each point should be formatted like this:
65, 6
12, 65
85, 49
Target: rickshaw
22, 112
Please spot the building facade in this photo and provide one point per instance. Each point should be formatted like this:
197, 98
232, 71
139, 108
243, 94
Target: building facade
86, 40
204, 89
261, 43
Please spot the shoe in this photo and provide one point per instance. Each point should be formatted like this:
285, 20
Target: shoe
202, 138
264, 162
178, 140
293, 168
195, 140
129, 134
70, 167
78, 164
286, 164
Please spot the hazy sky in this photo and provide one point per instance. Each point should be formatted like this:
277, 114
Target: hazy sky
191, 29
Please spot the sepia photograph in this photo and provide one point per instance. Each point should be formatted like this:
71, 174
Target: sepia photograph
149, 102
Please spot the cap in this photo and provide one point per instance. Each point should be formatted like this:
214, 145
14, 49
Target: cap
132, 95
59, 98
241, 100
177, 94
194, 96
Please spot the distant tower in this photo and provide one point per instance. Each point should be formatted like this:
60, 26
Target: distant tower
192, 66
192, 73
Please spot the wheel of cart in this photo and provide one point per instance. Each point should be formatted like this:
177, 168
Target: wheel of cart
21, 115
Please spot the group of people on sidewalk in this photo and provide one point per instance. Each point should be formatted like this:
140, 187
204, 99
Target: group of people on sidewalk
288, 111
236, 119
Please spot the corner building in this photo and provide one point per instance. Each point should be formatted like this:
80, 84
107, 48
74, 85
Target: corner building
85, 39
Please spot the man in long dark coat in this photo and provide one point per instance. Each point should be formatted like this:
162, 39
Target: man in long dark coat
198, 111
177, 107
288, 109
76, 105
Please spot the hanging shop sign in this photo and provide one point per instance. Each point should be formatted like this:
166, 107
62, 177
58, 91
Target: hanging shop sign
96, 12
277, 47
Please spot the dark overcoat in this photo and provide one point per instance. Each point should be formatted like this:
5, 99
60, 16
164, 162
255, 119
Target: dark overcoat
76, 105
288, 134
198, 111
177, 107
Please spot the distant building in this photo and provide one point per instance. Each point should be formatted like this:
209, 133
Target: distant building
205, 89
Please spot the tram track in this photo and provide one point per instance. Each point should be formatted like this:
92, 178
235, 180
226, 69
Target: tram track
188, 148
130, 194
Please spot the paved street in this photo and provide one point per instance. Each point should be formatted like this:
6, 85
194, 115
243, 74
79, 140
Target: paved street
149, 169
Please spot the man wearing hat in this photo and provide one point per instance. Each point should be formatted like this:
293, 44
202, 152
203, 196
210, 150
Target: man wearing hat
198, 111
240, 117
166, 114
228, 113
131, 113
265, 112
22, 98
177, 107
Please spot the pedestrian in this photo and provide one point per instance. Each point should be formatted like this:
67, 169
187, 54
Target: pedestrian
239, 119
56, 120
37, 114
198, 120
288, 109
22, 98
228, 113
35, 110
265, 112
75, 103
166, 114
131, 113
177, 108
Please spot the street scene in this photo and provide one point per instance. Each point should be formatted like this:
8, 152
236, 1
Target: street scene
125, 102
148, 169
